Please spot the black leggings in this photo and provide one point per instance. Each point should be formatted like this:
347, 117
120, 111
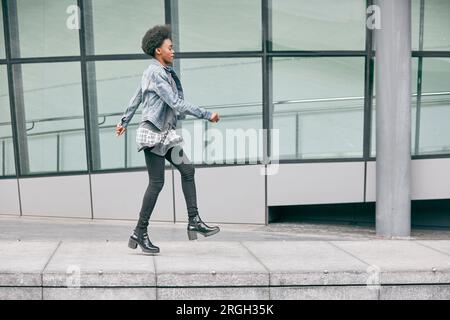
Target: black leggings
156, 167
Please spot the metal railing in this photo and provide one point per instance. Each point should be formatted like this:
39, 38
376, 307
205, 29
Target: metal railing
58, 133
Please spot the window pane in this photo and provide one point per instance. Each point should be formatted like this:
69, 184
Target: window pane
116, 82
7, 166
415, 24
2, 40
118, 26
54, 115
318, 106
435, 107
46, 29
318, 25
232, 88
414, 68
217, 25
437, 25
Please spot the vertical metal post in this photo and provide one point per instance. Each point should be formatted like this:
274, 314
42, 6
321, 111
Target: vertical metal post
419, 80
88, 77
393, 119
126, 149
297, 133
267, 76
171, 18
89, 111
3, 158
267, 89
15, 89
18, 119
368, 98
58, 142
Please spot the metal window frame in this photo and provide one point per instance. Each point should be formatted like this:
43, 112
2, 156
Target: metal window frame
266, 54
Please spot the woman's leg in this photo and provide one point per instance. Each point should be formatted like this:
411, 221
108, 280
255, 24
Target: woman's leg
179, 160
155, 168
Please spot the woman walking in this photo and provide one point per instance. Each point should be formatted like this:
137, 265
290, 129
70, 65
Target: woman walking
161, 95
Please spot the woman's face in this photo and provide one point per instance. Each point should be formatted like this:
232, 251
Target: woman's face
165, 52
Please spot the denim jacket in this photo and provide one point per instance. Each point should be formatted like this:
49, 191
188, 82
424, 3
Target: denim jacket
156, 94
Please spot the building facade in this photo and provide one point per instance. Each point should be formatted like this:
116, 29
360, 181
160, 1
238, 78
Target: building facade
306, 68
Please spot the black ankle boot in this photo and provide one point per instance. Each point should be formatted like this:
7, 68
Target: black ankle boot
141, 239
197, 225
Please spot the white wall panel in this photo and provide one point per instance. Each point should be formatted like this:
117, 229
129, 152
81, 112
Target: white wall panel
430, 179
63, 196
229, 194
9, 197
314, 183
120, 196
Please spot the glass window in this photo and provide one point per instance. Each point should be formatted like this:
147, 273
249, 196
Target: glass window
46, 29
434, 119
217, 25
2, 40
54, 116
232, 88
414, 68
415, 24
7, 166
116, 82
207, 83
437, 25
118, 26
318, 106
318, 25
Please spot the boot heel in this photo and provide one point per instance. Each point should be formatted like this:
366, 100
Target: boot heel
192, 235
132, 244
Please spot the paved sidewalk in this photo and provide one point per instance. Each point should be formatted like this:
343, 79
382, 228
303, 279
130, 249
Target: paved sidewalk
38, 228
61, 259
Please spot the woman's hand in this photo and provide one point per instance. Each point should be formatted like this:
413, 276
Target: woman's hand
120, 130
214, 117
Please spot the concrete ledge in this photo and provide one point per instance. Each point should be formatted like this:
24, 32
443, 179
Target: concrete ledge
258, 270
415, 292
20, 293
401, 261
323, 293
442, 246
201, 263
99, 264
22, 263
132, 293
292, 263
230, 293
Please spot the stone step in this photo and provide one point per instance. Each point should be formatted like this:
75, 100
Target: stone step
372, 269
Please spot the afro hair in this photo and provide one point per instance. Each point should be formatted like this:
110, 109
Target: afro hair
154, 38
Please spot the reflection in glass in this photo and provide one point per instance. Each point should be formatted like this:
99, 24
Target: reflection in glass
47, 29
118, 26
415, 24
232, 88
414, 68
232, 25
54, 116
2, 40
7, 166
318, 106
434, 119
437, 25
318, 25
116, 82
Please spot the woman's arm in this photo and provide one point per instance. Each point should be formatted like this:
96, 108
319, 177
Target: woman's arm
134, 103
